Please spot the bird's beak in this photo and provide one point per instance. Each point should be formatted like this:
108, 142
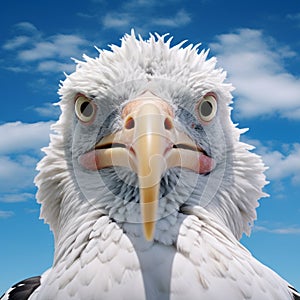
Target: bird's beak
149, 144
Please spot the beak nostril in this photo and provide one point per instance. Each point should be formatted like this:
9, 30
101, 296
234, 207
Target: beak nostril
168, 124
129, 123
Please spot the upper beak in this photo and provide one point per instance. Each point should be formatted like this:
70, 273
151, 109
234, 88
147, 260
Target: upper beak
149, 144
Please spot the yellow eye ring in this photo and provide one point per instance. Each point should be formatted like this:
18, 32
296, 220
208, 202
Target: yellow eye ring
207, 108
85, 109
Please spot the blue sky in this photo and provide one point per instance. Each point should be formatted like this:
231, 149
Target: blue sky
257, 42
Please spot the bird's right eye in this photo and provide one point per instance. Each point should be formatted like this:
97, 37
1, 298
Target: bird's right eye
207, 108
85, 109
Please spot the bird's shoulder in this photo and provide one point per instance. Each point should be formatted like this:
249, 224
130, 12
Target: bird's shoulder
23, 289
230, 265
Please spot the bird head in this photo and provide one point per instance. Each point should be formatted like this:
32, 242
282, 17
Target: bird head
145, 130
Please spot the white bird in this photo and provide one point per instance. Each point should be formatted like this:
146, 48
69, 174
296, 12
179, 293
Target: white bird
146, 185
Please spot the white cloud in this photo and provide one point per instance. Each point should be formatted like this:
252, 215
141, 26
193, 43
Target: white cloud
13, 198
16, 42
140, 3
256, 66
27, 27
181, 18
19, 153
132, 4
17, 173
284, 230
40, 50
282, 166
139, 15
55, 66
283, 163
45, 53
294, 17
17, 137
60, 45
26, 34
4, 214
117, 20
16, 69
47, 110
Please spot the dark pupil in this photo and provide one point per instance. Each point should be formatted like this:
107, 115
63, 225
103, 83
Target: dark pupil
86, 109
206, 108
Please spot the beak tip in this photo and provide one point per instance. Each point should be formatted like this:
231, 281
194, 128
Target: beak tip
149, 231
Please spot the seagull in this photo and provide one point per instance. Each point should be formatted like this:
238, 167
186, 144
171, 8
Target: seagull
146, 184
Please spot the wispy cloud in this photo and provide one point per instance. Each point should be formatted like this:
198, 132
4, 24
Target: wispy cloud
31, 49
181, 18
57, 46
283, 230
13, 198
145, 16
141, 3
4, 214
48, 110
17, 42
117, 20
45, 53
256, 66
27, 27
295, 17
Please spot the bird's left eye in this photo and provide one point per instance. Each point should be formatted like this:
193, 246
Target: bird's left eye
85, 109
207, 108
